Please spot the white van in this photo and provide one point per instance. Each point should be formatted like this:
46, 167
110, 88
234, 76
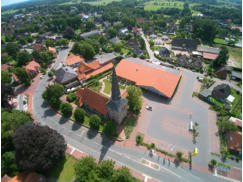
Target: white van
191, 126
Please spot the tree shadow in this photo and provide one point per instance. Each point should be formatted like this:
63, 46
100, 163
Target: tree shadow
91, 133
76, 126
63, 120
49, 113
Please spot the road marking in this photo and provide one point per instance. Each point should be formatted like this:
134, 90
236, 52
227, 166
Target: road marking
223, 177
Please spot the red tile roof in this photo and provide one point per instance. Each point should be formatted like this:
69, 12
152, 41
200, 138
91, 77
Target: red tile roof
86, 70
32, 66
209, 56
73, 59
143, 75
27, 177
234, 141
92, 99
5, 178
5, 67
15, 77
52, 49
38, 47
237, 121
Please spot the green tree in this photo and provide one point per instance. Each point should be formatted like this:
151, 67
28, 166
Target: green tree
112, 32
22, 76
50, 74
63, 42
84, 167
71, 97
52, 94
84, 49
46, 58
68, 33
186, 10
49, 43
122, 175
110, 129
12, 49
36, 54
23, 58
79, 115
66, 109
204, 29
118, 47
95, 121
134, 99
222, 58
8, 165
5, 76
106, 169
179, 155
22, 41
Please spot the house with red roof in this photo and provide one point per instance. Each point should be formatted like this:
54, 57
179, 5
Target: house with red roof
38, 47
149, 76
234, 141
52, 49
74, 60
32, 68
24, 177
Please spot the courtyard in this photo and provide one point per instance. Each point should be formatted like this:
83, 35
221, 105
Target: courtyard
167, 125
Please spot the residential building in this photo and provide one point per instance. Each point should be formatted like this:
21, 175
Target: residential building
65, 75
209, 53
184, 44
236, 75
164, 52
234, 141
221, 92
140, 20
74, 60
204, 94
237, 121
132, 43
91, 33
165, 38
223, 72
38, 47
52, 49
115, 40
26, 177
149, 76
123, 31
32, 68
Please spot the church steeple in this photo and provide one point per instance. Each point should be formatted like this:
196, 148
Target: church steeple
116, 94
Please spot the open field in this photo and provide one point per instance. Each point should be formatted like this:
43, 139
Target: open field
64, 169
156, 5
100, 2
235, 56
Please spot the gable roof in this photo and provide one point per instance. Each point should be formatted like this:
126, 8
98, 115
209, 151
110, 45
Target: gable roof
92, 99
32, 66
237, 121
164, 51
184, 43
207, 49
38, 47
52, 49
209, 56
115, 40
5, 67
27, 177
222, 91
73, 59
236, 74
234, 141
65, 74
132, 43
105, 58
145, 74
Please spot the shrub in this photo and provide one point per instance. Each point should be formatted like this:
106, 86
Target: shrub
179, 155
212, 163
139, 139
71, 97
110, 129
66, 109
79, 115
95, 121
152, 145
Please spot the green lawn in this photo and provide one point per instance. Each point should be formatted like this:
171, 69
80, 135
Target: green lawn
236, 55
129, 126
107, 88
219, 41
237, 104
96, 87
63, 171
100, 2
215, 101
122, 87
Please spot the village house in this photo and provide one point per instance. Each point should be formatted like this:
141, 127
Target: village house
234, 142
184, 44
66, 75
74, 60
209, 53
91, 33
236, 75
223, 71
164, 52
32, 68
221, 92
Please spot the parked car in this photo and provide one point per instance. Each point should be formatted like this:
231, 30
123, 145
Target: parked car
149, 108
41, 76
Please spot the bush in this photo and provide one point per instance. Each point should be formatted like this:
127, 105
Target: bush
152, 145
79, 115
139, 139
66, 109
50, 74
212, 163
43, 71
110, 129
179, 156
95, 121
71, 97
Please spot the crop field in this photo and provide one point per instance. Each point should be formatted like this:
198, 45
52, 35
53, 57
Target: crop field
157, 4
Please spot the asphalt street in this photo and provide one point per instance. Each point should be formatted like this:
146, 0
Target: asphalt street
100, 147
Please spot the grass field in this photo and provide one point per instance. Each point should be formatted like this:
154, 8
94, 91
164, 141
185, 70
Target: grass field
63, 170
107, 88
9, 11
100, 2
219, 41
129, 126
157, 4
236, 55
236, 105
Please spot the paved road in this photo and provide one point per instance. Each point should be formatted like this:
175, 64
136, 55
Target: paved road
100, 147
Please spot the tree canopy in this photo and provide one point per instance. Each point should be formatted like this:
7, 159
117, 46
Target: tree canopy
23, 58
66, 109
38, 148
12, 49
84, 49
134, 99
22, 75
79, 115
94, 121
5, 76
222, 58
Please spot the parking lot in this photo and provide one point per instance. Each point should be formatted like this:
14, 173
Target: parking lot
169, 120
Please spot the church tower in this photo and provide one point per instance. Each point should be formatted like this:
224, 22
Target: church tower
116, 106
